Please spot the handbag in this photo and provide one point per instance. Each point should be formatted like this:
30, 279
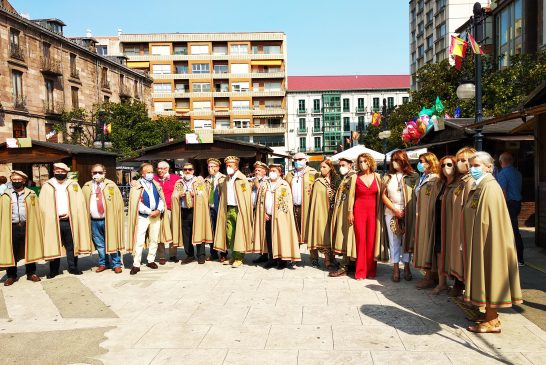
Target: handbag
398, 226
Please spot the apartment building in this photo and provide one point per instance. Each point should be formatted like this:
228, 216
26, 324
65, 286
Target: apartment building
323, 110
231, 83
45, 73
431, 23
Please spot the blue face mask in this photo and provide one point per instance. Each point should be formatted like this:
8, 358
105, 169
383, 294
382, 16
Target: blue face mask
149, 177
476, 172
299, 164
420, 167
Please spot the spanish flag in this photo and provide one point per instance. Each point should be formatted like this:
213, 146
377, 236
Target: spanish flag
474, 45
376, 119
457, 47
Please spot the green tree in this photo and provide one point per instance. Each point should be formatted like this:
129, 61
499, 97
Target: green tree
77, 127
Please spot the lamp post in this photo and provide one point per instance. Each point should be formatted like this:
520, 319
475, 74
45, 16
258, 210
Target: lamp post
385, 134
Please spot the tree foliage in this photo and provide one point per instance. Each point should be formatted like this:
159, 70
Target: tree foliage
77, 127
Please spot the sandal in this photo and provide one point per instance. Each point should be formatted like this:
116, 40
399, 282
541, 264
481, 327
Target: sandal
407, 274
492, 326
476, 316
395, 276
338, 273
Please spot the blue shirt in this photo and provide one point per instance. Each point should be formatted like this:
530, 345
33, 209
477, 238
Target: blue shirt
510, 180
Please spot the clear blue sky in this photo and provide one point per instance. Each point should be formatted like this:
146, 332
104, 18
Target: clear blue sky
336, 37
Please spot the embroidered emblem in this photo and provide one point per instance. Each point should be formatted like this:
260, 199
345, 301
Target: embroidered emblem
75, 187
243, 188
283, 192
111, 191
312, 178
474, 202
458, 190
428, 190
33, 200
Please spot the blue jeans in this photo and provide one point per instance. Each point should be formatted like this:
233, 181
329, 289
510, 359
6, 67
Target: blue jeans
97, 230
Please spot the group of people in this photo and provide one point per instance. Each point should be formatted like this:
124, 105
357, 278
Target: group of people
452, 218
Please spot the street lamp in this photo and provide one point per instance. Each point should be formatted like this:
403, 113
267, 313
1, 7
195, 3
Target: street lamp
385, 134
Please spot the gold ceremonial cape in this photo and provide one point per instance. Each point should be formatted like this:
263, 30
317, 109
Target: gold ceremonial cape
33, 250
243, 230
201, 225
309, 177
113, 214
318, 234
78, 216
343, 234
492, 276
425, 222
135, 194
284, 237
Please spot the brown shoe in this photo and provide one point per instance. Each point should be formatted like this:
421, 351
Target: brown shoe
152, 265
188, 260
34, 278
134, 270
222, 259
101, 268
395, 276
162, 261
201, 260
118, 270
338, 273
10, 281
407, 273
209, 258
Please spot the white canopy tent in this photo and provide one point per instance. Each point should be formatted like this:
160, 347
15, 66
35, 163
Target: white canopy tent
353, 152
413, 155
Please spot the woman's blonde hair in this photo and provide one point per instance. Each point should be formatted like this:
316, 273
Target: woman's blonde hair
432, 161
369, 160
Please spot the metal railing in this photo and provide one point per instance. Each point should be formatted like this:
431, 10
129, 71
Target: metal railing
52, 66
16, 52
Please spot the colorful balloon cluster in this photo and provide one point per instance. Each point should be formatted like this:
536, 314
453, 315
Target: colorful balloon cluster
420, 126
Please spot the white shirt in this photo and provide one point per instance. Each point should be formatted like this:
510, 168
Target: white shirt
269, 198
93, 209
150, 190
231, 196
188, 188
61, 196
254, 193
477, 182
395, 193
18, 207
215, 179
297, 183
3, 188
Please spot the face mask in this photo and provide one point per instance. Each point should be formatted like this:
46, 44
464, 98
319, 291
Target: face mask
420, 167
98, 177
188, 177
149, 176
273, 175
395, 165
476, 172
299, 164
60, 177
461, 166
230, 171
448, 170
17, 184
343, 170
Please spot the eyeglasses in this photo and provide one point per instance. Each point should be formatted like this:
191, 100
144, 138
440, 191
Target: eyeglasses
98, 172
448, 164
187, 169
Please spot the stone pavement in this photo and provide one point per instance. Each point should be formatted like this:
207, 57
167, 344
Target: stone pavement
214, 314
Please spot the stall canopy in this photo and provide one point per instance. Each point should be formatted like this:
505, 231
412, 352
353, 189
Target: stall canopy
353, 152
413, 155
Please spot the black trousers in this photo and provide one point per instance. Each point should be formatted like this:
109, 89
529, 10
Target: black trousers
187, 230
514, 208
18, 233
213, 218
68, 243
269, 239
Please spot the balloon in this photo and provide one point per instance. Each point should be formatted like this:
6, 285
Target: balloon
434, 121
405, 136
421, 127
439, 106
426, 111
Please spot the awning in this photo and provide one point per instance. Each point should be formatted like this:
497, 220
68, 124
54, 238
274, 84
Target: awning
138, 64
429, 145
266, 63
511, 138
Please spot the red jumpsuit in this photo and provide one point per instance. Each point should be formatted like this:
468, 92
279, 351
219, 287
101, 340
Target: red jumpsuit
364, 226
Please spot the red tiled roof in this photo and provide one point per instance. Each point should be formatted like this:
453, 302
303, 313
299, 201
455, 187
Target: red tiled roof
352, 82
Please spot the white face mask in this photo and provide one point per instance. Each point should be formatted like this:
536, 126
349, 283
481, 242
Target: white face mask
273, 175
343, 170
230, 171
396, 166
98, 177
461, 166
448, 170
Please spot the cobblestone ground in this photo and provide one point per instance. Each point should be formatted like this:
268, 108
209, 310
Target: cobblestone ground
214, 314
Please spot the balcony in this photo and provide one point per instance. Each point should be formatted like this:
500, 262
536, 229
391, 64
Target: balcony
105, 84
301, 111
125, 91
254, 130
316, 111
361, 110
317, 130
20, 103
16, 52
302, 130
53, 109
75, 73
274, 110
51, 66
208, 94
206, 57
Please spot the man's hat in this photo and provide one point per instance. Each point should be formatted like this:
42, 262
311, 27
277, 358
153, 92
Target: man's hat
299, 156
214, 160
60, 165
346, 159
229, 159
276, 165
261, 164
20, 173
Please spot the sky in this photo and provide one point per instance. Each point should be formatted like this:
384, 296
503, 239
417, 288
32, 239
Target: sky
333, 37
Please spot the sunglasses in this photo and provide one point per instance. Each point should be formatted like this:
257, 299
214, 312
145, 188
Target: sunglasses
187, 169
449, 164
97, 172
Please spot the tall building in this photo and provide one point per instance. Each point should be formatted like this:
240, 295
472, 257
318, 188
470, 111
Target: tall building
431, 24
45, 73
323, 110
231, 83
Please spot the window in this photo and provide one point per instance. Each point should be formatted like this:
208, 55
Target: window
46, 48
181, 69
182, 104
17, 86
301, 126
220, 69
203, 49
73, 70
238, 49
440, 4
180, 50
420, 28
272, 86
102, 50
239, 68
316, 124
160, 106
361, 126
430, 16
221, 87
317, 143
131, 50
179, 87
162, 88
430, 42
161, 69
303, 143
316, 105
441, 30
243, 123
201, 87
200, 68
19, 129
346, 106
509, 32
202, 124
219, 50
104, 78
106, 99
240, 87
375, 104
14, 38
223, 124
270, 141
346, 124
272, 49
161, 50
301, 106
240, 104
75, 97
390, 102
49, 86
420, 51
360, 105
405, 99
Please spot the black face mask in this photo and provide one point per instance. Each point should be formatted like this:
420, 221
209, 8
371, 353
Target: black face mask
60, 177
17, 184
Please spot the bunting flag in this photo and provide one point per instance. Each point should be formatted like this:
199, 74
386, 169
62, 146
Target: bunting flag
458, 62
457, 47
474, 45
376, 119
